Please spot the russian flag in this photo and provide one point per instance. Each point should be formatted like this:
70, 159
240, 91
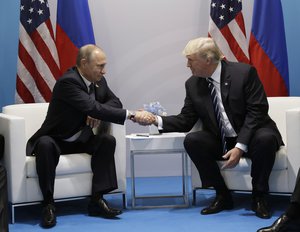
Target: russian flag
73, 30
267, 49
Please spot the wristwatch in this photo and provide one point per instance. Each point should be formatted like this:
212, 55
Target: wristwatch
131, 115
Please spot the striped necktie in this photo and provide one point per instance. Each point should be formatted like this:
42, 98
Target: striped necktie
213, 94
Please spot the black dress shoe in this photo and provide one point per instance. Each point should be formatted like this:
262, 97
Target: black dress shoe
282, 224
260, 207
219, 204
101, 208
48, 216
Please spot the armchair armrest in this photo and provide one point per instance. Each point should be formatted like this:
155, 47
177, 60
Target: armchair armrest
13, 130
293, 144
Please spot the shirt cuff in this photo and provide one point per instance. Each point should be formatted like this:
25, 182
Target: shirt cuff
159, 123
241, 146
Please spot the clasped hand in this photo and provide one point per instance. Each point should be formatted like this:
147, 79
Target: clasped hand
92, 122
144, 118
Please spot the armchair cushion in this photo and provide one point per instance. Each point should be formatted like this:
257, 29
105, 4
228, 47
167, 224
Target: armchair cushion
73, 174
285, 111
68, 164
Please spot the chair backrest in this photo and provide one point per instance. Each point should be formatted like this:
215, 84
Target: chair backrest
33, 113
277, 111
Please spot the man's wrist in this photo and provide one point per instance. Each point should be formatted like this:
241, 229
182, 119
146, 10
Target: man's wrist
131, 115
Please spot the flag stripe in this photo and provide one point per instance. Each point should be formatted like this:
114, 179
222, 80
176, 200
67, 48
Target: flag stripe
73, 30
268, 47
38, 63
261, 60
234, 45
29, 83
227, 28
29, 64
221, 41
23, 91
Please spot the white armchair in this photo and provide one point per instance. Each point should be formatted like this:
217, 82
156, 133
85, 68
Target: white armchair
285, 111
73, 174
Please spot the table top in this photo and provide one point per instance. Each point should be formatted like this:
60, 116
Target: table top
156, 136
165, 141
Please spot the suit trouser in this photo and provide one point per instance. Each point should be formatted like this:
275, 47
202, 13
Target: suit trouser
102, 149
3, 200
205, 149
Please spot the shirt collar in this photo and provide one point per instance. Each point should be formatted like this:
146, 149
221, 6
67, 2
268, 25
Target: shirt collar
216, 76
87, 82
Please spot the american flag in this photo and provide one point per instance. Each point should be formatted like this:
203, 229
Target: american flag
227, 28
38, 63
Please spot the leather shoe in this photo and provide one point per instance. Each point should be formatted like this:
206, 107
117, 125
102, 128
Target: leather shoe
260, 207
101, 208
48, 216
282, 224
219, 204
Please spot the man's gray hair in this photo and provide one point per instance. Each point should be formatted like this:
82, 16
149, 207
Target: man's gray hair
86, 52
205, 47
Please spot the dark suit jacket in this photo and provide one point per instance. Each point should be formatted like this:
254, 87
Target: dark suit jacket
244, 101
71, 104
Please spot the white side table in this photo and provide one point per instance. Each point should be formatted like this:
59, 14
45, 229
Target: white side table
168, 143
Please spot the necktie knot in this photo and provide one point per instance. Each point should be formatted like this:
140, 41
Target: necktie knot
209, 80
91, 87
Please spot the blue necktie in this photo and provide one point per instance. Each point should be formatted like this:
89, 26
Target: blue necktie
213, 94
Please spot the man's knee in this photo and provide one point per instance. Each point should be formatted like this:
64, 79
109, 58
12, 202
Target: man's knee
107, 139
190, 141
44, 143
265, 141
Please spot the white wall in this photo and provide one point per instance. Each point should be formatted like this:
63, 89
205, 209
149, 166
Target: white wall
143, 40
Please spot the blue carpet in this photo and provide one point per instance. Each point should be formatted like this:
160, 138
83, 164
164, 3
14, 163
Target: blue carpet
72, 215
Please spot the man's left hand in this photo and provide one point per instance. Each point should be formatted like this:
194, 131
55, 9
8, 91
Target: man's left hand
92, 122
233, 157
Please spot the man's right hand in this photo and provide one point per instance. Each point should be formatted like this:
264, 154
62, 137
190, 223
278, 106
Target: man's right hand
144, 118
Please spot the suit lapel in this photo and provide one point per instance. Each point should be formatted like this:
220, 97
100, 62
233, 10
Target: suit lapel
225, 82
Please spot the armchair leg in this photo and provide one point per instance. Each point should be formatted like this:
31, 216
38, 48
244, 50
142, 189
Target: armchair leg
124, 200
194, 197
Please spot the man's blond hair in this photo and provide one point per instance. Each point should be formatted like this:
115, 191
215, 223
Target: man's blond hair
204, 47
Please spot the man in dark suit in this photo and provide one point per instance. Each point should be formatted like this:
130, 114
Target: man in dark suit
243, 116
290, 220
80, 99
3, 191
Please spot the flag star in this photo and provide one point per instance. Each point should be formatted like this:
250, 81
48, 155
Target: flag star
42, 1
213, 5
22, 7
31, 10
221, 17
40, 12
223, 6
231, 9
29, 21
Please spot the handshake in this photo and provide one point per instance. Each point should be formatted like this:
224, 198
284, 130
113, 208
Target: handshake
143, 117
147, 116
